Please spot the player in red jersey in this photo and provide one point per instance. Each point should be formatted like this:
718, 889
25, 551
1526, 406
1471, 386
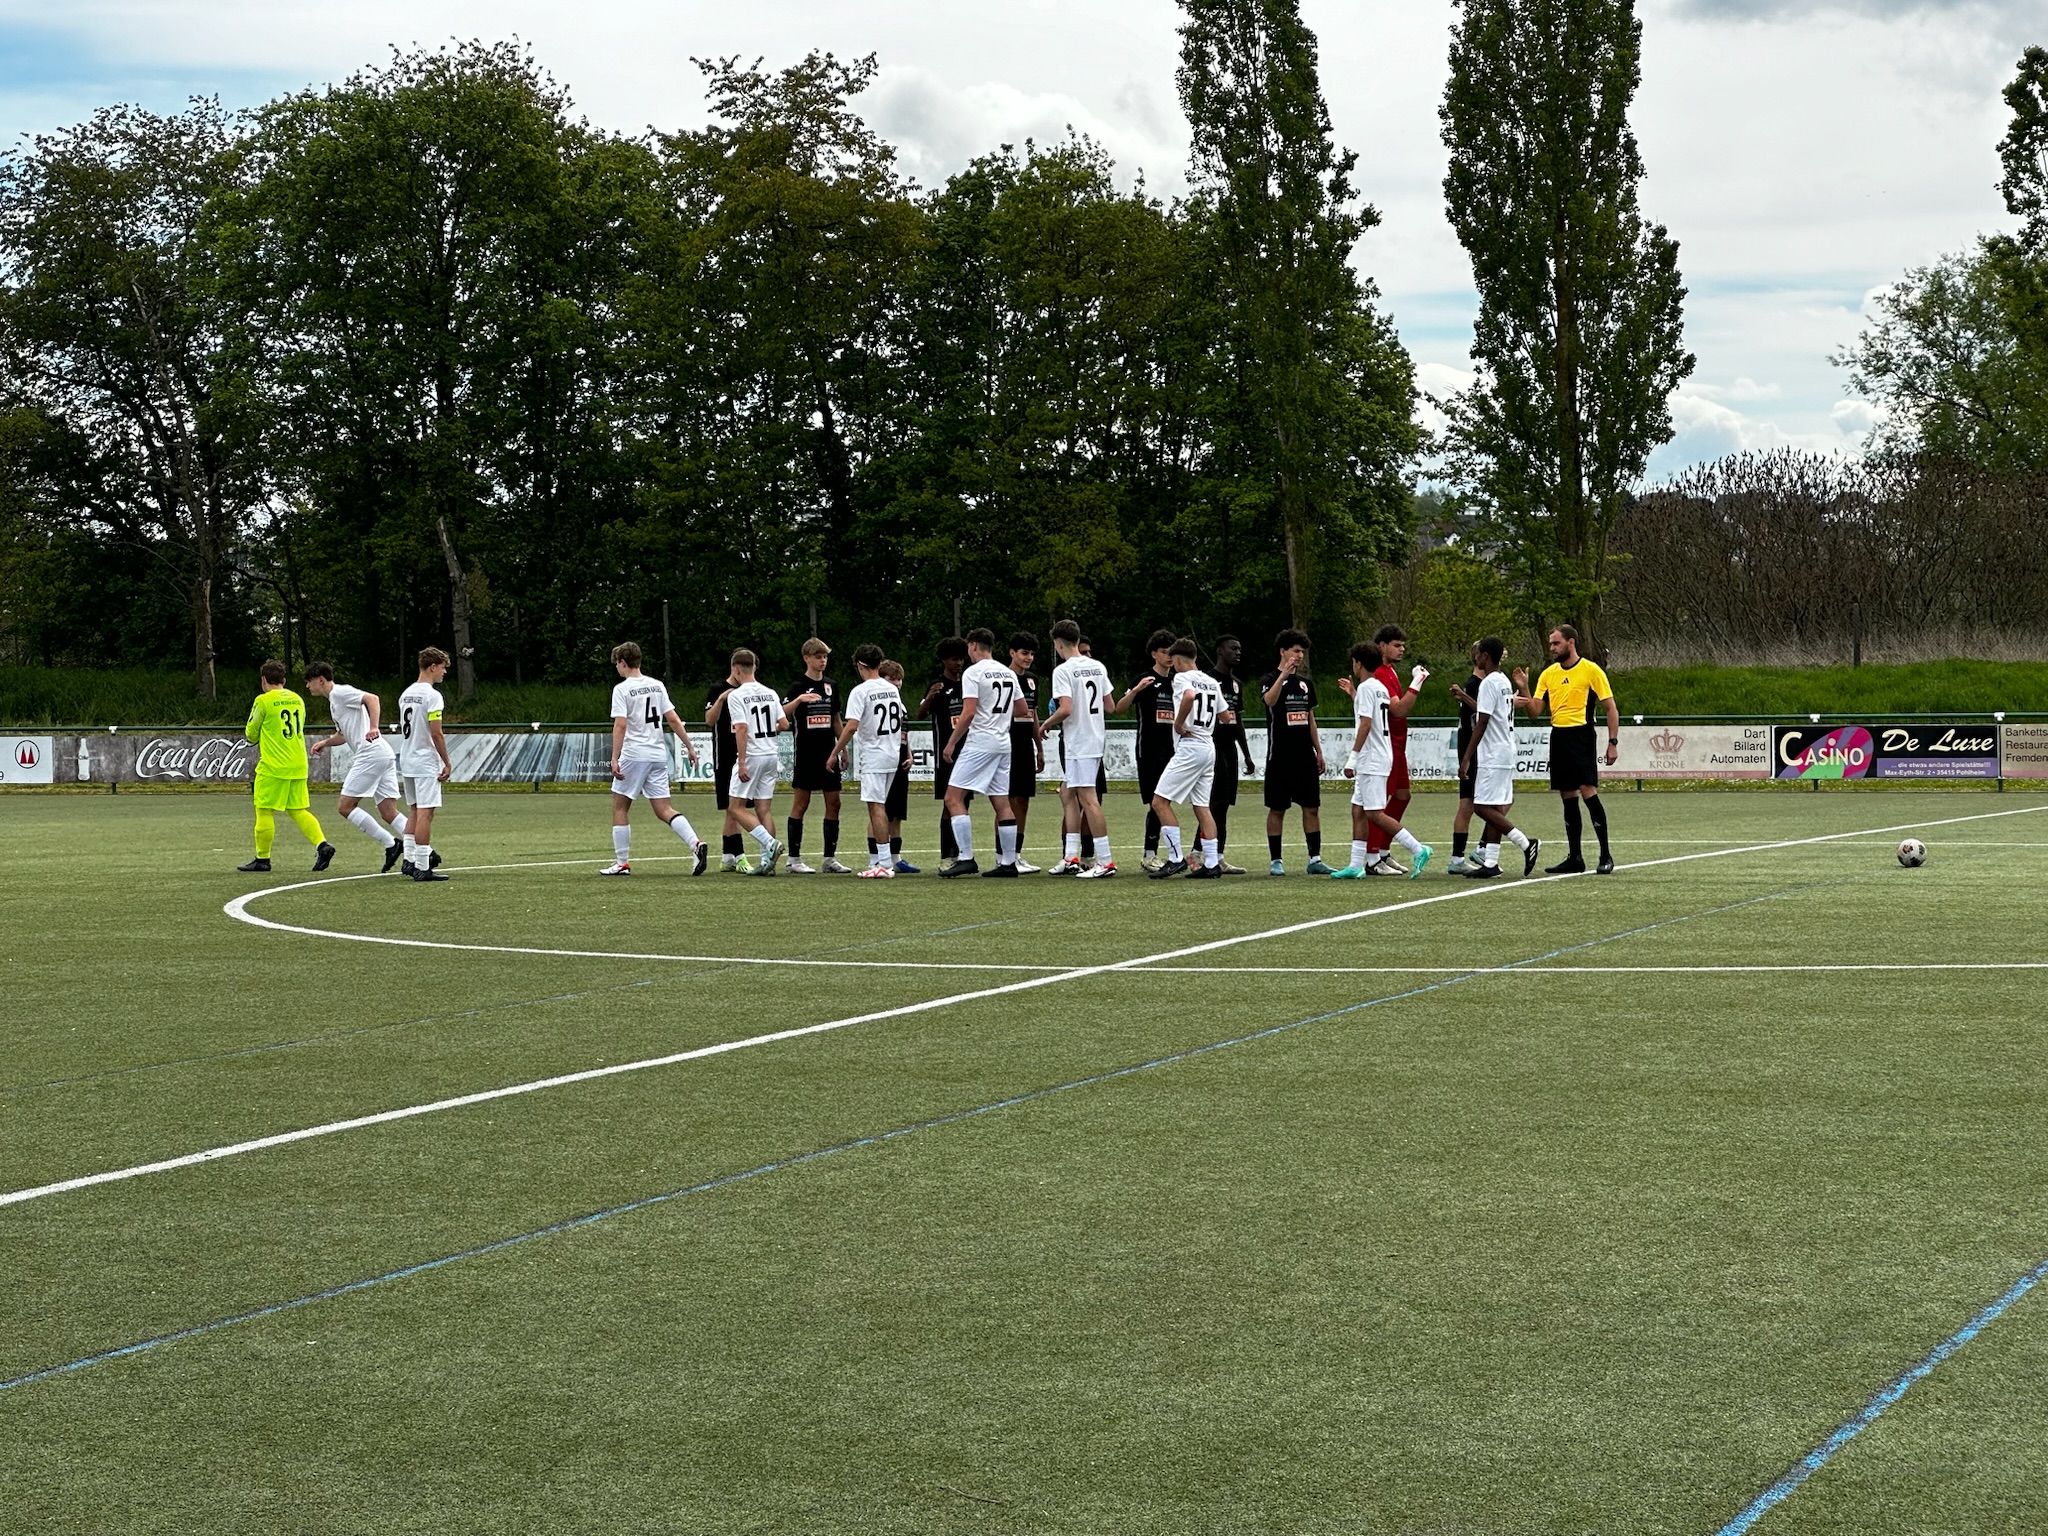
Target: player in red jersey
1393, 643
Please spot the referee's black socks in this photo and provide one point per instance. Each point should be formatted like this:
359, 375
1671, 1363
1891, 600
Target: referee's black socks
1598, 812
831, 836
1574, 828
796, 837
1151, 831
733, 844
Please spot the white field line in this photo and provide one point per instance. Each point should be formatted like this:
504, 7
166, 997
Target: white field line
1079, 973
1577, 970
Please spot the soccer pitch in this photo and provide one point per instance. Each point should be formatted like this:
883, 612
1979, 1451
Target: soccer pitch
1266, 1206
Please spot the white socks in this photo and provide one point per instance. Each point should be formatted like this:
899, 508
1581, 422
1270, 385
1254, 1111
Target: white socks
1172, 836
1006, 842
963, 835
1358, 853
622, 843
1408, 840
1073, 845
1210, 857
1102, 850
680, 825
761, 835
422, 856
368, 825
1519, 838
410, 847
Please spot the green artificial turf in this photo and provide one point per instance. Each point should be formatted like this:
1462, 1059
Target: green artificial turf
1431, 1252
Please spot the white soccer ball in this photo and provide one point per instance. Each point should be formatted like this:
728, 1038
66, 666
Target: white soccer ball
1912, 853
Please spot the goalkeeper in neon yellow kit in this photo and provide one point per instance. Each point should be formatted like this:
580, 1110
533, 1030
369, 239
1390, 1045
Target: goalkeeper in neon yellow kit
277, 724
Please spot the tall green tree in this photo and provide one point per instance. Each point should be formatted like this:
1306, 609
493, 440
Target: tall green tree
116, 331
1312, 421
424, 249
1579, 341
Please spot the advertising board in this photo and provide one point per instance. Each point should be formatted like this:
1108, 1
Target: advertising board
28, 759
1692, 752
1884, 751
2023, 751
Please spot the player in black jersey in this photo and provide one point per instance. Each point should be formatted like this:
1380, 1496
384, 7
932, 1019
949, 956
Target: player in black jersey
1231, 744
1152, 693
813, 709
1461, 822
725, 753
1294, 751
941, 706
1027, 741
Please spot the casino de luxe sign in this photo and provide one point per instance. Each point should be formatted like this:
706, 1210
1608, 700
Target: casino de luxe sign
1885, 751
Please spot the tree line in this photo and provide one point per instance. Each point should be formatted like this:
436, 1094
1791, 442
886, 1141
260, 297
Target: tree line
425, 356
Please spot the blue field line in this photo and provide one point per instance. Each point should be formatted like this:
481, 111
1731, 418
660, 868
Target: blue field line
1826, 1451
880, 1138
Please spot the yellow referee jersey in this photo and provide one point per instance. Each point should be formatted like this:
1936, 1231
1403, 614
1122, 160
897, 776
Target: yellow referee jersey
1572, 689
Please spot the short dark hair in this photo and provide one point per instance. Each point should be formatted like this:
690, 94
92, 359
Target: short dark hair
869, 656
746, 659
1183, 647
952, 648
1568, 632
985, 638
1222, 641
1389, 632
1068, 631
433, 656
318, 669
1160, 640
1024, 641
272, 672
1492, 649
1288, 639
628, 652
1367, 651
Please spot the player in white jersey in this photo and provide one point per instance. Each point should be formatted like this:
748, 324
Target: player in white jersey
756, 714
1370, 763
1081, 691
640, 708
1191, 771
1490, 762
979, 750
423, 762
874, 713
372, 765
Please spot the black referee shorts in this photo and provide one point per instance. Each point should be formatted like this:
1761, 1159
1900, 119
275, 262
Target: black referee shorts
1574, 758
721, 778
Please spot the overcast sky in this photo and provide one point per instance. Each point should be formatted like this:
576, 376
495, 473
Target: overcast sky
1803, 154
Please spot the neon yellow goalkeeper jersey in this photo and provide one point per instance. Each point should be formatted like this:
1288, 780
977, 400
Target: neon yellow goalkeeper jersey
277, 724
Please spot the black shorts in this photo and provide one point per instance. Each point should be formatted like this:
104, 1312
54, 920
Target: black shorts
898, 806
1148, 776
721, 780
1291, 784
1023, 766
809, 770
1223, 786
1574, 758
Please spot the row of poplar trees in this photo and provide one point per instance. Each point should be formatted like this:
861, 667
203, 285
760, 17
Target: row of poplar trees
423, 356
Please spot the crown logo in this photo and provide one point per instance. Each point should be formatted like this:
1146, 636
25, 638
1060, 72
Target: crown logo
1666, 741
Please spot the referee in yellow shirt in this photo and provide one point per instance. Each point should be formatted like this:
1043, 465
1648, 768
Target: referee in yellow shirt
1566, 690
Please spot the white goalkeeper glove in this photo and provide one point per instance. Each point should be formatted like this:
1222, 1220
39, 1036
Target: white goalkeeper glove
1418, 677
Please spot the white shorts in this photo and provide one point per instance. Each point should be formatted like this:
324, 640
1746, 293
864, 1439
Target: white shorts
984, 770
422, 792
642, 781
875, 787
1081, 772
755, 778
372, 774
1369, 791
1188, 775
1493, 786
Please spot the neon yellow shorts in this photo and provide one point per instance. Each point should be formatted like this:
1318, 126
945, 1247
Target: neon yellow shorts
279, 794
